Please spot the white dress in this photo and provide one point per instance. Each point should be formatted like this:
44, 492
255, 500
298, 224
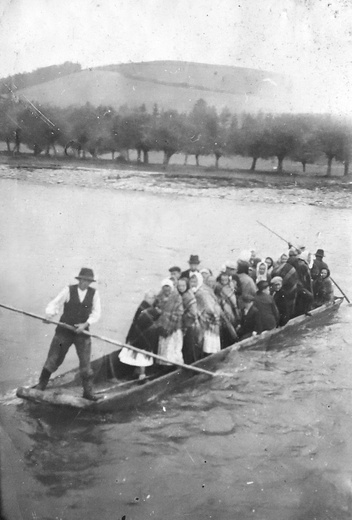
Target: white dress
211, 342
136, 359
171, 348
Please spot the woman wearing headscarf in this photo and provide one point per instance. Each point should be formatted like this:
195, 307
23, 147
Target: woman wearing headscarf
323, 289
191, 350
289, 276
269, 315
304, 298
270, 263
229, 311
142, 334
208, 315
261, 272
245, 284
169, 302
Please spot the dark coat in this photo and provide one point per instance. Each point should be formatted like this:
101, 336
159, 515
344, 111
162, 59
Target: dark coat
269, 315
250, 323
187, 273
318, 265
280, 300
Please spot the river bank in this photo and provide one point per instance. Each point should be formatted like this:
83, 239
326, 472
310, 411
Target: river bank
237, 185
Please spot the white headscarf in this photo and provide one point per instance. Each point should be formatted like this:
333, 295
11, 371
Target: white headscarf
262, 277
168, 282
199, 280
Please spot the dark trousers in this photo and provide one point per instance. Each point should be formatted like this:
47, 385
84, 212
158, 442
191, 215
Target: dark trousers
60, 344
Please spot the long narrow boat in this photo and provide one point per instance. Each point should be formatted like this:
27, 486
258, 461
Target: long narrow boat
117, 389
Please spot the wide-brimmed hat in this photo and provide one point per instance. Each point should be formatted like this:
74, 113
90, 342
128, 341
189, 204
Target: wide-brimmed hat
320, 252
194, 259
86, 274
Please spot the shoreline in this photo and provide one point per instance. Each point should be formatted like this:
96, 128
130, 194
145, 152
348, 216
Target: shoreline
237, 185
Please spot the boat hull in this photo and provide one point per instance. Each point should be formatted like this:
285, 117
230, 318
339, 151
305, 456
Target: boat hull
117, 391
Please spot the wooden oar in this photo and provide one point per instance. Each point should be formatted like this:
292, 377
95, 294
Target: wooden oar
289, 243
117, 343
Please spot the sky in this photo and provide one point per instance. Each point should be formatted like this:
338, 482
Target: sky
308, 40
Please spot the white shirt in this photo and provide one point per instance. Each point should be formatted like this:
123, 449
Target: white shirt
63, 297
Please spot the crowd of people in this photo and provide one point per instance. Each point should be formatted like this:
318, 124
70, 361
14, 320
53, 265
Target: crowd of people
196, 313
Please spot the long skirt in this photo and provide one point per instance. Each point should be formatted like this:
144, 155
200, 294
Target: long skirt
211, 342
136, 359
171, 348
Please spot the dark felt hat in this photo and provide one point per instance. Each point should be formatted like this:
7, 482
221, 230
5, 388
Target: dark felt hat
86, 274
194, 259
320, 252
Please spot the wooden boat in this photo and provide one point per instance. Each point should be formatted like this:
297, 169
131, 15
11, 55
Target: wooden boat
114, 383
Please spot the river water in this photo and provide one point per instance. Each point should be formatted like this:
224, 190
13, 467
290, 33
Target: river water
273, 442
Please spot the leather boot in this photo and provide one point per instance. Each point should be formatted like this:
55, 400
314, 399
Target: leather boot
87, 383
43, 380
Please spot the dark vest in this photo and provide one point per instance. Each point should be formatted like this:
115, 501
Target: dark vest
76, 311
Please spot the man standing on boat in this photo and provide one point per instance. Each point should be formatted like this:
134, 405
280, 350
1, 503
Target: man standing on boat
81, 308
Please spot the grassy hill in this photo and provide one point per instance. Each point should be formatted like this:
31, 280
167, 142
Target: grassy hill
170, 84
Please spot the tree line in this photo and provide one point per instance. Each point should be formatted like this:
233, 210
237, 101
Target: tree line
304, 138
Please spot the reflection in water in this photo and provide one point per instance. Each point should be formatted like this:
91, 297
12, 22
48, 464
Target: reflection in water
272, 443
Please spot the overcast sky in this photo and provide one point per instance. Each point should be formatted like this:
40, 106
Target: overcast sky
311, 40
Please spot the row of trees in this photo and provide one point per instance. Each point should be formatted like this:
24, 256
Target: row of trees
98, 130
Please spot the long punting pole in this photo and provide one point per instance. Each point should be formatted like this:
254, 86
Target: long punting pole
117, 343
287, 242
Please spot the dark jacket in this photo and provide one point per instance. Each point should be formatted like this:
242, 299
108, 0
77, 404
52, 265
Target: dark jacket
250, 323
269, 315
280, 300
187, 273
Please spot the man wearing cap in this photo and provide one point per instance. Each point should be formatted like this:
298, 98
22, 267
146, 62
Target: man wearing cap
193, 266
318, 264
175, 273
81, 308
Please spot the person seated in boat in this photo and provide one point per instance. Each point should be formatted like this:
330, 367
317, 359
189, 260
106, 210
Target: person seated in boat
282, 260
261, 272
142, 334
81, 308
280, 300
250, 324
323, 289
268, 312
191, 349
193, 263
169, 324
175, 273
270, 266
208, 315
289, 284
229, 310
205, 272
318, 264
304, 297
245, 284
